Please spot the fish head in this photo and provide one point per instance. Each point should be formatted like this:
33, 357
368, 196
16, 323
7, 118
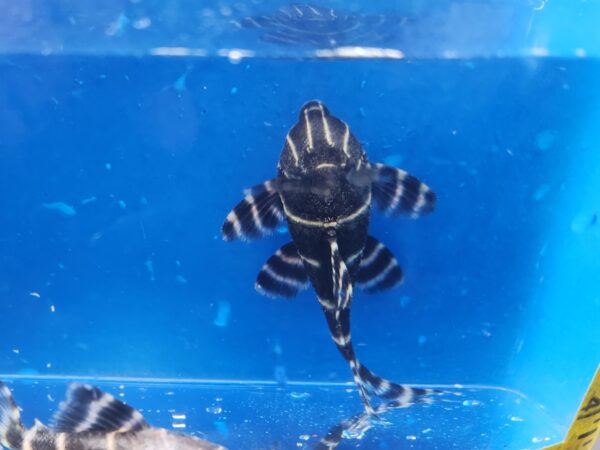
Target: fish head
320, 144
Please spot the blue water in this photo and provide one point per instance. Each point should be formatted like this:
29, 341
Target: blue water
117, 171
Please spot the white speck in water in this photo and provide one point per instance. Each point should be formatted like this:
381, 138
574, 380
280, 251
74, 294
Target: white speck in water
122, 204
537, 440
304, 437
52, 308
61, 207
214, 410
411, 437
150, 266
48, 365
179, 425
142, 24
121, 394
16, 351
471, 403
236, 55
35, 294
180, 279
121, 386
427, 430
176, 416
116, 27
50, 398
85, 201
516, 419
299, 395
540, 51
580, 53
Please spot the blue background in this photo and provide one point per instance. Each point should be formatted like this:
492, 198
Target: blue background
151, 153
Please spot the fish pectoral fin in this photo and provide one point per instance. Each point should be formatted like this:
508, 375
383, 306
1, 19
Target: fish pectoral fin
283, 275
397, 192
257, 215
87, 408
378, 269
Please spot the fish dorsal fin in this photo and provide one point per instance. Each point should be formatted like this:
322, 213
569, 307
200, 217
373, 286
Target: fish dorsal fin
87, 408
378, 268
398, 192
257, 215
283, 275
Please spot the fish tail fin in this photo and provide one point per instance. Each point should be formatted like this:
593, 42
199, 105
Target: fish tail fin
369, 385
11, 428
393, 394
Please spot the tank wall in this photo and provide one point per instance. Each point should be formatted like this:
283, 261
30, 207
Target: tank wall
151, 154
117, 169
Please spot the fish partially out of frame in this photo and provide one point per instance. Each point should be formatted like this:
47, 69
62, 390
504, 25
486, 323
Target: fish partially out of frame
324, 189
90, 419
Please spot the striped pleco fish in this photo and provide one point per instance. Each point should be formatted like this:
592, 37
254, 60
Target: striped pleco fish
89, 419
324, 190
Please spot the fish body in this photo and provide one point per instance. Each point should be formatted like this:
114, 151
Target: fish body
90, 420
325, 189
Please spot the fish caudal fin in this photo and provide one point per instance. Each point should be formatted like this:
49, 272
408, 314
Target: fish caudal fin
338, 321
11, 428
397, 192
257, 215
370, 385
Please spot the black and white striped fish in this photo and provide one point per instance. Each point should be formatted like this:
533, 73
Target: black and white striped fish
324, 189
90, 419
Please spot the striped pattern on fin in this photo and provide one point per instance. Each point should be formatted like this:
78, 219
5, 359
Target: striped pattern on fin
87, 408
342, 284
257, 215
11, 428
378, 268
397, 192
369, 385
283, 275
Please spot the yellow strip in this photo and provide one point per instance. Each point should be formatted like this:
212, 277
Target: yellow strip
584, 429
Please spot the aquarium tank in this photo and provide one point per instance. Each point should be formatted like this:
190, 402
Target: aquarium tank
131, 129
